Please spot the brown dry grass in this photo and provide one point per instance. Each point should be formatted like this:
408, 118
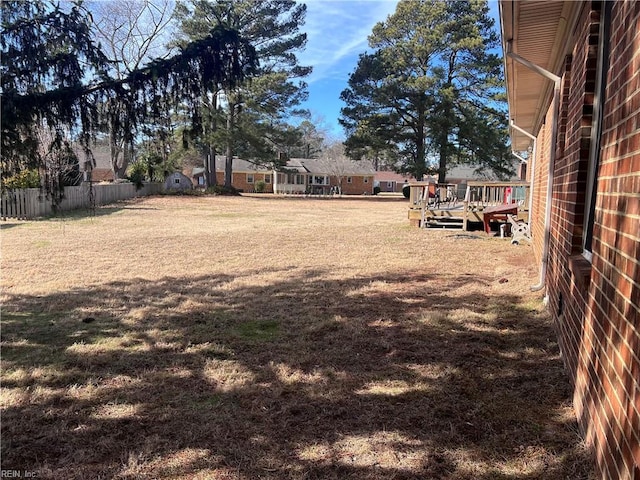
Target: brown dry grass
258, 337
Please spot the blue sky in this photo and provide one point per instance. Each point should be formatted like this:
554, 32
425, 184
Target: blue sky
337, 32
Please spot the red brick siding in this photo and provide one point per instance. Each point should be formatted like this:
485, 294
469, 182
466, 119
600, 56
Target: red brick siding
239, 181
543, 149
597, 315
567, 299
357, 185
613, 396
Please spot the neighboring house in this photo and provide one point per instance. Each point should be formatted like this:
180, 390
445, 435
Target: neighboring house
177, 182
244, 175
391, 181
295, 178
461, 174
573, 84
101, 171
298, 176
342, 175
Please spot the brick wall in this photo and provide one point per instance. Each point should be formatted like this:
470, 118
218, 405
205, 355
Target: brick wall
610, 360
357, 185
596, 304
567, 294
240, 181
539, 202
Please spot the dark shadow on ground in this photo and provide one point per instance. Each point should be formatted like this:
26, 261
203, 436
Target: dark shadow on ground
365, 378
5, 226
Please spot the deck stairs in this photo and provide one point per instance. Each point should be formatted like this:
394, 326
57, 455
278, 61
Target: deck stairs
442, 222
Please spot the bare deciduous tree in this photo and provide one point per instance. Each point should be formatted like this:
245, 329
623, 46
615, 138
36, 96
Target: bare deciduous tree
336, 163
131, 32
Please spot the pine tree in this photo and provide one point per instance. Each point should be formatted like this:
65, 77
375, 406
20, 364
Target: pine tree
429, 89
255, 113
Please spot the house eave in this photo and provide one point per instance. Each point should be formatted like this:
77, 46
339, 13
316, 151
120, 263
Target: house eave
537, 31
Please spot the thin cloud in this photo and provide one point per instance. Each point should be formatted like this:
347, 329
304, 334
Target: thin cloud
337, 31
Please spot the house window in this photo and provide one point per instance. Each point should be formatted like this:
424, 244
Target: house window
200, 180
249, 177
319, 180
267, 178
349, 179
596, 129
176, 180
389, 184
300, 179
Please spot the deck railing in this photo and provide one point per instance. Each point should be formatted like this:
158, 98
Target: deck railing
481, 194
478, 196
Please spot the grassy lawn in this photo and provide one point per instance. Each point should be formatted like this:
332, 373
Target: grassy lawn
267, 338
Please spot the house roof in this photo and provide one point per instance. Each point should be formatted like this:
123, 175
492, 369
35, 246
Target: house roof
240, 165
297, 165
393, 177
301, 165
327, 167
537, 31
460, 173
102, 155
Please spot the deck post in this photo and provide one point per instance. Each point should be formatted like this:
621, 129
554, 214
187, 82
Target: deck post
465, 215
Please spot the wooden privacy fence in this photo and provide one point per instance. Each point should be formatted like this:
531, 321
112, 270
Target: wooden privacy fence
28, 203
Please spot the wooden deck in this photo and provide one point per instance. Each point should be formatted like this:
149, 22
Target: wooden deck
425, 211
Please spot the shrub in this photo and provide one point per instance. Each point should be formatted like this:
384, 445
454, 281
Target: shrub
137, 173
222, 190
260, 186
24, 179
376, 190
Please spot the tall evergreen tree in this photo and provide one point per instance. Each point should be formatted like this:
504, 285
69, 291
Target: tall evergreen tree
429, 89
53, 75
47, 54
255, 113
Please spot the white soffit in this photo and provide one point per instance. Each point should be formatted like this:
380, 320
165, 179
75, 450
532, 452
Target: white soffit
537, 31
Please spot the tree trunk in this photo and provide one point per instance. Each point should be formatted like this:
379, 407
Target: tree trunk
443, 142
442, 165
115, 152
228, 166
126, 155
210, 168
421, 154
210, 162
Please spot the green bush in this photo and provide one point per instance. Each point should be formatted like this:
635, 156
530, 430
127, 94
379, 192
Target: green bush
260, 186
24, 179
376, 190
222, 190
137, 173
